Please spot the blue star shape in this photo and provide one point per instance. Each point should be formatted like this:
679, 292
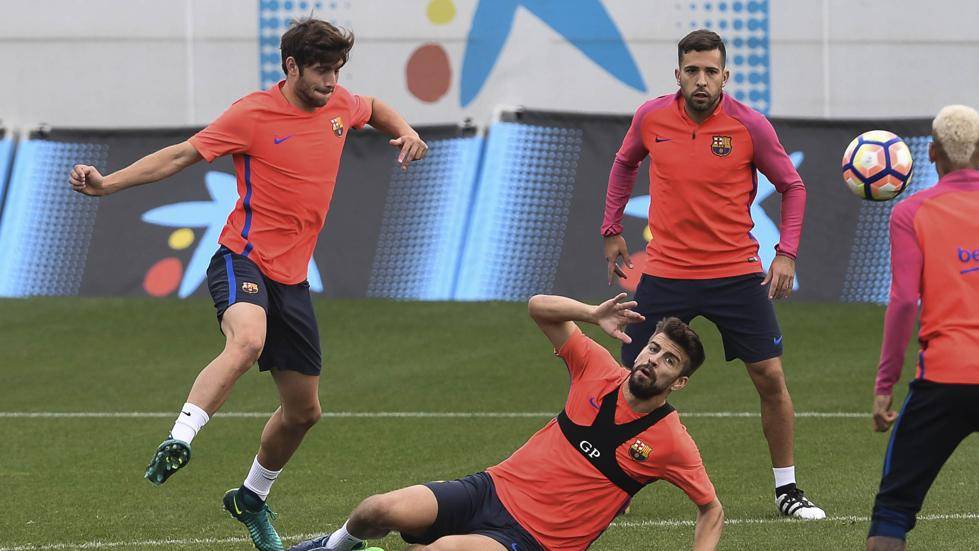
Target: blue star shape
212, 216
584, 23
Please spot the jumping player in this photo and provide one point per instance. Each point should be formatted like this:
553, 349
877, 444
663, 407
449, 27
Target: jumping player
934, 258
564, 487
286, 144
704, 148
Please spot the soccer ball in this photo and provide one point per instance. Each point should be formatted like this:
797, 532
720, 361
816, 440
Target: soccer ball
877, 165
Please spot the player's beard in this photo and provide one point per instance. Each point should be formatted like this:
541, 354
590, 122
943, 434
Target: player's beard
696, 104
645, 391
308, 95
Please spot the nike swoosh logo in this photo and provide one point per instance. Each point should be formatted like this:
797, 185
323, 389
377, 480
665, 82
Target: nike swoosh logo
280, 140
185, 413
777, 340
234, 500
593, 403
658, 139
514, 547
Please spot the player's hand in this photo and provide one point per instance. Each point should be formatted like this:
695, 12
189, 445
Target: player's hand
412, 149
884, 417
614, 248
612, 315
86, 179
781, 275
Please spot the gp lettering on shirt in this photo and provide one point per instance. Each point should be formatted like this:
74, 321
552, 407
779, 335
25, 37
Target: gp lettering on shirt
589, 449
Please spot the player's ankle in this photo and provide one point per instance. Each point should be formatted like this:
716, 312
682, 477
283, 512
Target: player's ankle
249, 500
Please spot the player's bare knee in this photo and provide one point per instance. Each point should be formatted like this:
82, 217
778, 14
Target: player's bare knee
246, 346
376, 511
305, 416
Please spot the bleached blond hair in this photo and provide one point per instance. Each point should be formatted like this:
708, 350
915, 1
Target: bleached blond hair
956, 129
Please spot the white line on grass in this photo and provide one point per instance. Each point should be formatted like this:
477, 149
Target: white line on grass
735, 521
669, 523
396, 414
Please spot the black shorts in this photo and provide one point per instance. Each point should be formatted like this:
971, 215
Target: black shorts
292, 338
935, 418
739, 306
470, 506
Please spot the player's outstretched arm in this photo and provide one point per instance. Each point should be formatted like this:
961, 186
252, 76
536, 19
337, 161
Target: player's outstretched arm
710, 524
151, 168
555, 315
386, 119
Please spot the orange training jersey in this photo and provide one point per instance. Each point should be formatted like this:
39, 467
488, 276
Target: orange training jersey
561, 498
286, 161
702, 181
935, 256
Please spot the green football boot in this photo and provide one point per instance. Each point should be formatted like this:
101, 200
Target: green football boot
171, 456
259, 523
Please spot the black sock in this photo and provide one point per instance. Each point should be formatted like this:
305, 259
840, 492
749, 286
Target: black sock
784, 489
250, 500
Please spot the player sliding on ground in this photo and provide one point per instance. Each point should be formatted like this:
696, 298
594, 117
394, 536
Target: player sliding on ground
286, 144
934, 258
704, 147
564, 487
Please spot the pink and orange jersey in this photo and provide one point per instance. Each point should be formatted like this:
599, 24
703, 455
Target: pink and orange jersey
702, 181
286, 161
935, 257
562, 499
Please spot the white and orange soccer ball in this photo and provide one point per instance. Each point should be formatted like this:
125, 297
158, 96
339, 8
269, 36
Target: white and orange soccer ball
877, 165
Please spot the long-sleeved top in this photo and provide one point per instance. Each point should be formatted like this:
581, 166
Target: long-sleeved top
702, 181
935, 257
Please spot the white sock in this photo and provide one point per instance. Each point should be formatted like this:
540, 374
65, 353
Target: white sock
784, 475
190, 421
341, 540
260, 479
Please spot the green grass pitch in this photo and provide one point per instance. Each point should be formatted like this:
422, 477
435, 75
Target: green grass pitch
76, 482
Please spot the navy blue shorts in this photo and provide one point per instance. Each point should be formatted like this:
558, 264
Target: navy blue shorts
936, 417
739, 306
470, 506
292, 338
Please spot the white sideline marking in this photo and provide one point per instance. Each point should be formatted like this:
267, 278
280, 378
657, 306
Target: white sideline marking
628, 524
742, 521
398, 414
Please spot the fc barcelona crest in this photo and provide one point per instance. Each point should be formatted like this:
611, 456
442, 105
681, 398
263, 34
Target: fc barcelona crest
640, 451
337, 126
721, 146
249, 287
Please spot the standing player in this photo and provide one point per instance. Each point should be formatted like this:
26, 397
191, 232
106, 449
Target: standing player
286, 144
934, 258
702, 260
564, 487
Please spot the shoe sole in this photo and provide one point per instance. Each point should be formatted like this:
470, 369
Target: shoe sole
159, 477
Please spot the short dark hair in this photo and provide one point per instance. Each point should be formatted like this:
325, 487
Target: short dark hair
686, 338
313, 41
701, 40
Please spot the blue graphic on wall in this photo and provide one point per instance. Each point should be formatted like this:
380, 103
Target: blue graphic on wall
868, 273
519, 214
211, 215
766, 230
46, 229
744, 28
584, 23
425, 218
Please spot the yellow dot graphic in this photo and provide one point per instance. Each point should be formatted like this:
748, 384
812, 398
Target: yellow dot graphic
647, 235
441, 12
181, 239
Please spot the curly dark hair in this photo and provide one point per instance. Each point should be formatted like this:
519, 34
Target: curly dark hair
313, 41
